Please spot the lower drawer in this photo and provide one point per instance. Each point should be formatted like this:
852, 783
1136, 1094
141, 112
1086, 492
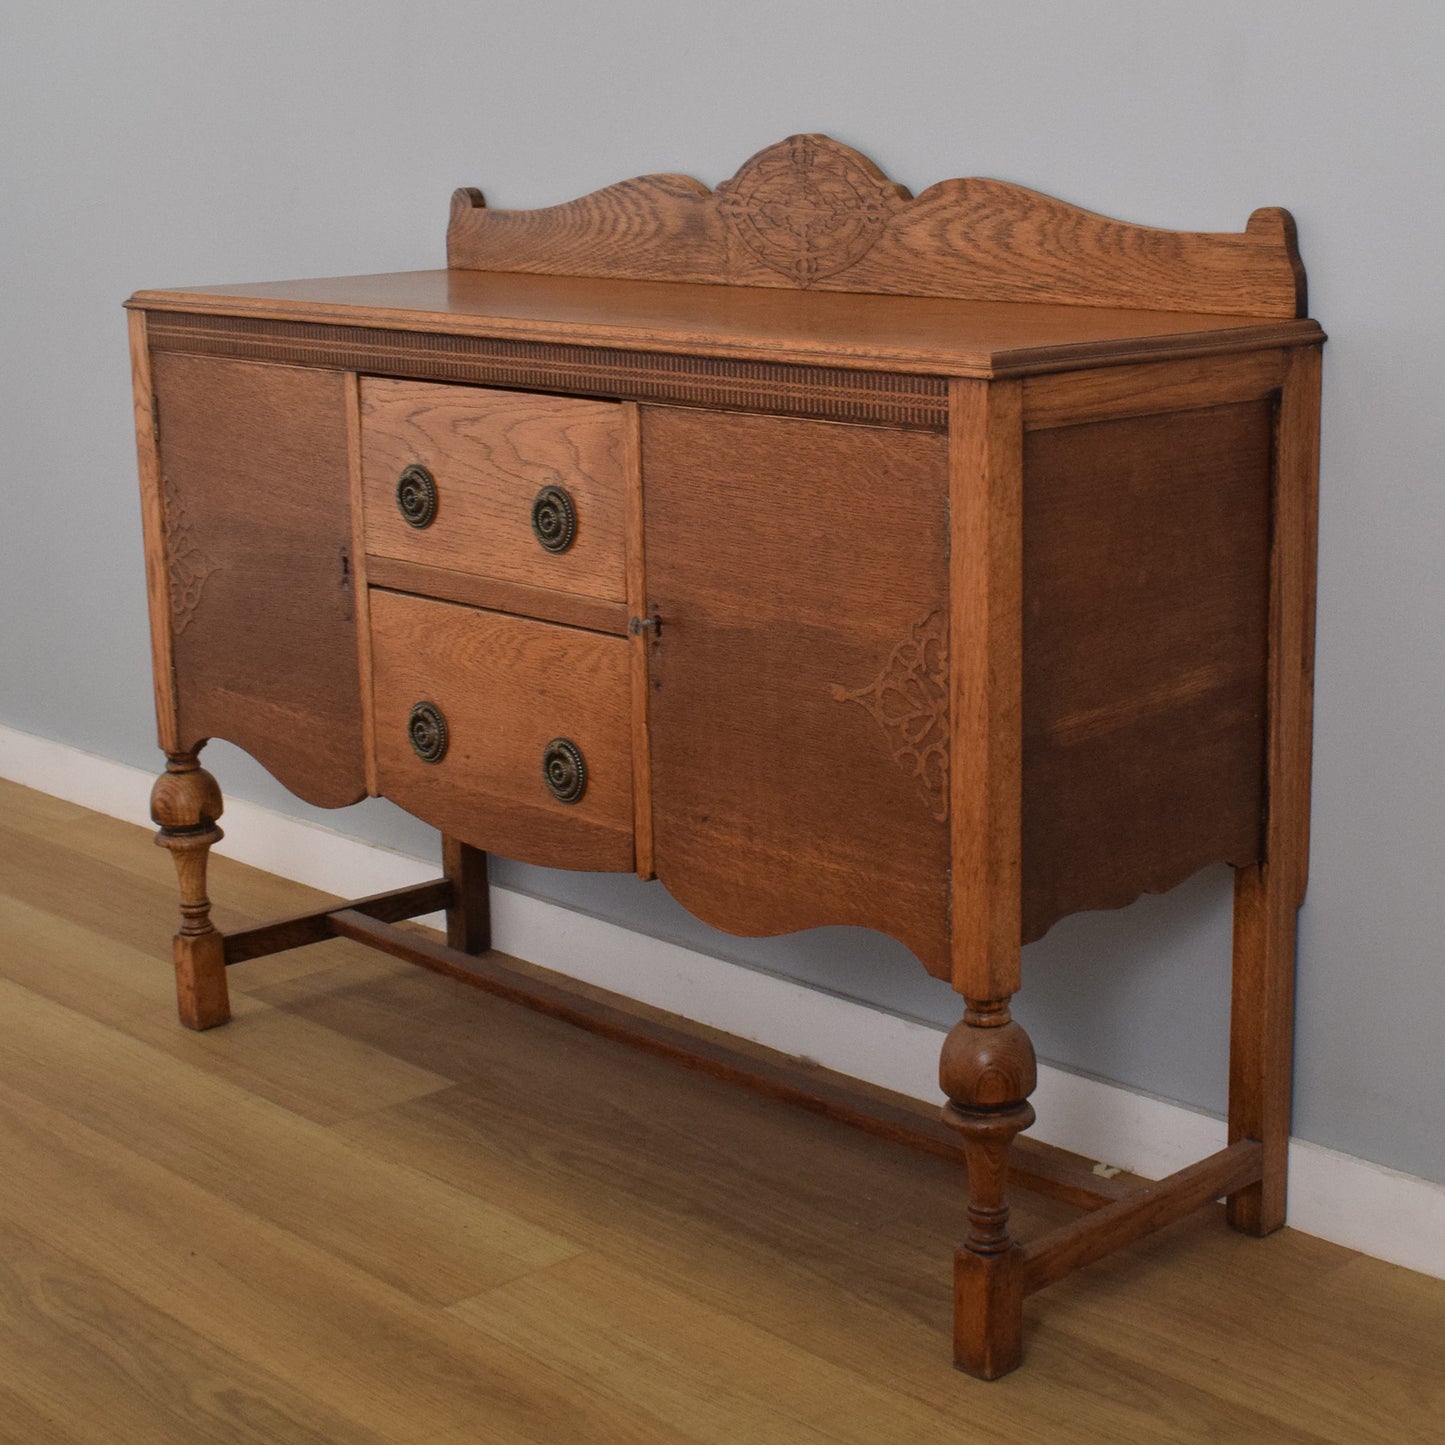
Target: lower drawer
507, 733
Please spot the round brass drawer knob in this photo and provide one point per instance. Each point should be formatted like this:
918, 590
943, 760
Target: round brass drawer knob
554, 518
416, 496
564, 770
426, 727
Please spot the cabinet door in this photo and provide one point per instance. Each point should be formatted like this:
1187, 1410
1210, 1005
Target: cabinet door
798, 695
255, 493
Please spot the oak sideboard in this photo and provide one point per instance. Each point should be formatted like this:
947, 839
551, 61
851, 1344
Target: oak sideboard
941, 565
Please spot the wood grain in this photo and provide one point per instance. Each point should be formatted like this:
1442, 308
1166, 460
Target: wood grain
986, 642
804, 1085
729, 346
358, 568
259, 537
785, 794
507, 686
324, 1326
125, 1370
1295, 541
1149, 1207
701, 1371
299, 1066
185, 804
408, 1234
469, 910
490, 453
296, 931
1071, 398
1266, 897
1146, 595
987, 1069
808, 212
642, 637
153, 525
495, 595
139, 1302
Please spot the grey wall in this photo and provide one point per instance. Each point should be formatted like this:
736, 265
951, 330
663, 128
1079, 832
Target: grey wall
152, 143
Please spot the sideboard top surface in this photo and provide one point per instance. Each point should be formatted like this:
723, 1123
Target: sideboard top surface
922, 335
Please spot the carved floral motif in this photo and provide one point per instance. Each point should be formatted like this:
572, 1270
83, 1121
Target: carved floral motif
189, 565
807, 208
909, 701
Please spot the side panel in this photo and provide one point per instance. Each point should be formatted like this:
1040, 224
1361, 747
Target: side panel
255, 495
798, 689
1146, 595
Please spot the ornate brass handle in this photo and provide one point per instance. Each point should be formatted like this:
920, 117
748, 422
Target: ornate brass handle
554, 518
426, 727
564, 770
416, 496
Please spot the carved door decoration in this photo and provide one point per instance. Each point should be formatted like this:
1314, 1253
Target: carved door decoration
798, 723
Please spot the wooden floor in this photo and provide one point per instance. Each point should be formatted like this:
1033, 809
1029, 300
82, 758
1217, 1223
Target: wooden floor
380, 1206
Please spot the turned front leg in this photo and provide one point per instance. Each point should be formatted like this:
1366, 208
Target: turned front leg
185, 804
988, 1071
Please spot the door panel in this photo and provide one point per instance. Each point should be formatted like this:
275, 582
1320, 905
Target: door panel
257, 523
797, 699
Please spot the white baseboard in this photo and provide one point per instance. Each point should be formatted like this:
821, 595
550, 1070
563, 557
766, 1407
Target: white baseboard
1353, 1202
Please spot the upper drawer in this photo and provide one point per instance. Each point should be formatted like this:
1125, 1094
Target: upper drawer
527, 488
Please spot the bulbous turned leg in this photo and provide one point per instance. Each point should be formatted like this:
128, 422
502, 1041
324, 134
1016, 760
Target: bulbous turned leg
185, 804
988, 1071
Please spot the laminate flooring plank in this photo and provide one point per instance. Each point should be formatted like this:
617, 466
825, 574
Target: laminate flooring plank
643, 1126
873, 1303
43, 839
138, 884
714, 1377
47, 824
300, 1065
352, 1343
23, 1423
36, 812
515, 1231
1279, 1328
428, 1239
117, 904
1267, 1336
506, 1132
70, 964
115, 1368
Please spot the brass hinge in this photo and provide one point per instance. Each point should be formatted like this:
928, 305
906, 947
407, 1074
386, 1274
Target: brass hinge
155, 418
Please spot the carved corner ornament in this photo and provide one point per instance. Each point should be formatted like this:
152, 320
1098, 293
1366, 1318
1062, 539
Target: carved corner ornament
189, 565
809, 207
909, 702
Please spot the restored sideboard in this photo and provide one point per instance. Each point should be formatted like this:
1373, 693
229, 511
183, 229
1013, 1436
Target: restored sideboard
941, 565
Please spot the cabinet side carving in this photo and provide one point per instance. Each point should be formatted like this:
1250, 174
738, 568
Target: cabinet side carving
188, 563
909, 702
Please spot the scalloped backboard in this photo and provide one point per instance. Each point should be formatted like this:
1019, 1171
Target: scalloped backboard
809, 213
